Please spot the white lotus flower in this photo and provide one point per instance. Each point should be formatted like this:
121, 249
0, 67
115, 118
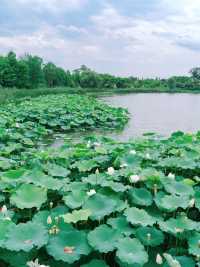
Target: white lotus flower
91, 192
17, 125
134, 178
171, 261
89, 144
171, 176
111, 170
35, 264
132, 152
4, 209
159, 259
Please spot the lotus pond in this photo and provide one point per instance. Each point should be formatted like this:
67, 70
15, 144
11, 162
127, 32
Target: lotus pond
99, 202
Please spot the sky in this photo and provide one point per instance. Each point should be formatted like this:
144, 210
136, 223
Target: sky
144, 38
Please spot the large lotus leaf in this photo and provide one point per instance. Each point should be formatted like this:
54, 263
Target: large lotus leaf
194, 244
100, 205
40, 179
131, 251
76, 186
85, 165
178, 225
26, 236
170, 203
95, 263
76, 216
140, 196
103, 238
149, 236
117, 187
75, 199
5, 226
178, 188
68, 246
29, 196
139, 217
183, 261
57, 170
13, 176
121, 224
131, 160
197, 199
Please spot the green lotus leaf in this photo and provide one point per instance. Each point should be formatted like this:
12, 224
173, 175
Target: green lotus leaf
95, 263
117, 187
149, 236
103, 238
76, 216
194, 244
5, 226
29, 196
100, 205
178, 225
75, 199
131, 160
68, 246
178, 188
183, 261
121, 224
139, 217
13, 176
197, 199
131, 251
170, 203
26, 236
57, 170
85, 165
140, 196
40, 179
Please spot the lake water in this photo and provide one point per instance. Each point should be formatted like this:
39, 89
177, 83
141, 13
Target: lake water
158, 112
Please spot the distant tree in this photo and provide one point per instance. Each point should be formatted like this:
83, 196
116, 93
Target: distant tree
195, 73
22, 75
49, 71
171, 83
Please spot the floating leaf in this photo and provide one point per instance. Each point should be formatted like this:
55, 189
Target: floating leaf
68, 246
95, 263
26, 236
139, 217
76, 216
194, 244
121, 224
140, 196
75, 199
131, 251
150, 236
178, 188
29, 196
103, 238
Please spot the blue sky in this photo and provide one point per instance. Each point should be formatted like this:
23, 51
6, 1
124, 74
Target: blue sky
145, 38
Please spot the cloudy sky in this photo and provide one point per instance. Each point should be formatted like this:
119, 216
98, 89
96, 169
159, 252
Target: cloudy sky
145, 38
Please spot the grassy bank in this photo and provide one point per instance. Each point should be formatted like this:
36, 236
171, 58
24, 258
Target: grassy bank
7, 94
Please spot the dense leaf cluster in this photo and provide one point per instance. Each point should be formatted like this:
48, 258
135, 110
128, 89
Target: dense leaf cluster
104, 203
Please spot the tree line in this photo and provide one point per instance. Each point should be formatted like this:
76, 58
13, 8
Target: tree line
30, 71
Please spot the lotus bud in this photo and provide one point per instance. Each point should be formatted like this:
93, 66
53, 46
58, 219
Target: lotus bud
191, 203
111, 171
4, 209
49, 220
148, 236
88, 144
97, 171
132, 152
148, 156
134, 178
155, 189
51, 205
91, 192
159, 259
171, 176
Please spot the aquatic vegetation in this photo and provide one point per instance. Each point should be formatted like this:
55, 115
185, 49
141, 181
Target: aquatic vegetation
103, 203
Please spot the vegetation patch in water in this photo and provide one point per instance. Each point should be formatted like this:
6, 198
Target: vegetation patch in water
104, 203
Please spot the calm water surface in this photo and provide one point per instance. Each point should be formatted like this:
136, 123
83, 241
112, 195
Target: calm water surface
161, 113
